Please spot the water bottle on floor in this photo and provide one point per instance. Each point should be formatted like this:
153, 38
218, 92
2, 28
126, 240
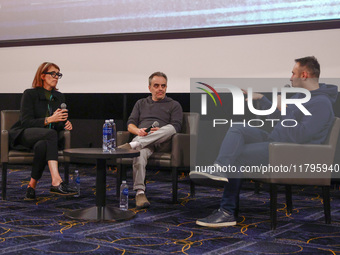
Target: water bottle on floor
124, 196
76, 180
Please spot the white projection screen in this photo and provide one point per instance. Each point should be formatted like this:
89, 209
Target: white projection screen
34, 31
28, 19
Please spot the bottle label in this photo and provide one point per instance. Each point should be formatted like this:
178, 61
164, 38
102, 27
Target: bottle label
125, 192
78, 180
106, 132
106, 137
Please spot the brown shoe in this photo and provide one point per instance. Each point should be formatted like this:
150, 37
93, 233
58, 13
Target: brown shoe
142, 201
125, 146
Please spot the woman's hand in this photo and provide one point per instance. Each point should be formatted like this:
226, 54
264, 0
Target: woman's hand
58, 115
68, 125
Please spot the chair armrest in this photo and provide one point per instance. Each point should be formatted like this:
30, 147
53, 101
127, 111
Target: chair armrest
67, 136
4, 146
180, 152
67, 142
291, 153
301, 162
123, 137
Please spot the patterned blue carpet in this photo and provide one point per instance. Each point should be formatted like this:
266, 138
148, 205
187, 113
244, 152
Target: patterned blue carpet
40, 227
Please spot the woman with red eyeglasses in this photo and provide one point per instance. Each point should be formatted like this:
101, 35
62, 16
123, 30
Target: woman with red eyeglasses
39, 126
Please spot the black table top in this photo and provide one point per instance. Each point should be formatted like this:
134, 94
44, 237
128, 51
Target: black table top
99, 154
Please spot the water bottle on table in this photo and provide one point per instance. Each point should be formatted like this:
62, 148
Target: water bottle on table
107, 133
124, 196
113, 136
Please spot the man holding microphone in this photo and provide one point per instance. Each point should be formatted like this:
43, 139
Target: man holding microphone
153, 121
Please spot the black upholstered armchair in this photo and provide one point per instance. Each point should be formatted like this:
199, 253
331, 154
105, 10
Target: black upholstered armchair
8, 118
178, 158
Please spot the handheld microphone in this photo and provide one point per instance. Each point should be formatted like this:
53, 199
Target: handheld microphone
155, 124
63, 106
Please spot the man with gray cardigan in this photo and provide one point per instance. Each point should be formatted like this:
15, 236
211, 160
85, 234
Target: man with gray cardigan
157, 109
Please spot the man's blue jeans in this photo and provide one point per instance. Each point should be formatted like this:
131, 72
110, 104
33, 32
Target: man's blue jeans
242, 146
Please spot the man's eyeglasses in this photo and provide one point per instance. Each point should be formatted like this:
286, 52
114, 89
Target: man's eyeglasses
54, 74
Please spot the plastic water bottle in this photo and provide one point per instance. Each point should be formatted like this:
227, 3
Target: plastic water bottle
107, 131
76, 180
113, 136
109, 136
124, 196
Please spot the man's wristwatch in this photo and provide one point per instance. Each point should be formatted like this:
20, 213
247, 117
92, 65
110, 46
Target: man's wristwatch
46, 122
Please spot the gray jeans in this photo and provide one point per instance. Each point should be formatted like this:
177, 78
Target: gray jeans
160, 141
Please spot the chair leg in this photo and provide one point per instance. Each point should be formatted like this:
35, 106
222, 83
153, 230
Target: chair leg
327, 203
192, 188
289, 198
66, 172
257, 188
174, 185
4, 180
273, 206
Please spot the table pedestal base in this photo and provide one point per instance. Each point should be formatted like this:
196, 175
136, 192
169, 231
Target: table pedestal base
99, 213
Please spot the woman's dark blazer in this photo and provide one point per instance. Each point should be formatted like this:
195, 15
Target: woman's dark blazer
33, 110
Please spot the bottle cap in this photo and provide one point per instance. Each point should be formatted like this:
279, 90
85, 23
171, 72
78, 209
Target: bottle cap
123, 181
